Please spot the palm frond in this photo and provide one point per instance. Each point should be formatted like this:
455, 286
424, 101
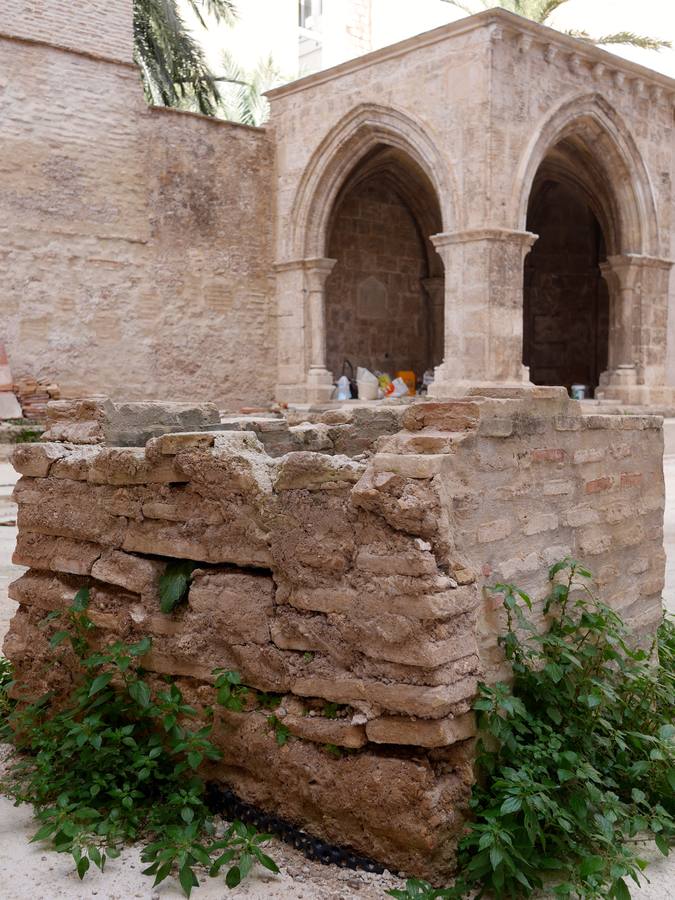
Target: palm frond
242, 98
172, 62
633, 40
221, 10
547, 8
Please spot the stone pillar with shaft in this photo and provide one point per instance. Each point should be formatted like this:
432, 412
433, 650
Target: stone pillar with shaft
319, 379
483, 308
302, 376
638, 320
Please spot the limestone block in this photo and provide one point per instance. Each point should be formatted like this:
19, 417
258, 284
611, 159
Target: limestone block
171, 444
36, 459
67, 508
59, 554
358, 604
131, 572
130, 465
303, 470
410, 561
98, 421
450, 415
242, 544
408, 699
406, 504
76, 464
411, 465
339, 732
239, 604
236, 465
421, 732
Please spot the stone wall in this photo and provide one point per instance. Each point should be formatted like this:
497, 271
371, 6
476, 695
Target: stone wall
136, 242
354, 578
377, 314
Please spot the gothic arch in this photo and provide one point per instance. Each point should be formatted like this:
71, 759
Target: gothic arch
366, 128
585, 141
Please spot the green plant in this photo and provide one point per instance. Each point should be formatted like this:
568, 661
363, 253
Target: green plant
175, 583
576, 756
6, 677
281, 732
118, 761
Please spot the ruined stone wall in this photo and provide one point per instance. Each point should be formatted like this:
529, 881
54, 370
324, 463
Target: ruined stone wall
353, 578
135, 242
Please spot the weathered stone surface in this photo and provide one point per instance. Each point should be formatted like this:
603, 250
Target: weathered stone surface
59, 554
240, 604
36, 459
449, 415
309, 471
339, 732
131, 572
421, 732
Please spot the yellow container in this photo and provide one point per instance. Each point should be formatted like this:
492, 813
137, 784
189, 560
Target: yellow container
409, 377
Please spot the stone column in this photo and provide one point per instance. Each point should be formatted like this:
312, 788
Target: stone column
292, 358
302, 376
319, 379
483, 308
638, 313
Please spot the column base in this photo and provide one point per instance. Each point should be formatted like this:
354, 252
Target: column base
448, 390
319, 386
638, 394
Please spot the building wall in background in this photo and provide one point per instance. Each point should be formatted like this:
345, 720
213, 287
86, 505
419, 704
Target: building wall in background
135, 242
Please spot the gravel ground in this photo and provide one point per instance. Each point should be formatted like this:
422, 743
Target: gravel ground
32, 872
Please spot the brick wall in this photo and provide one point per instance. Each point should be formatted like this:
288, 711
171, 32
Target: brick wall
135, 242
101, 27
351, 579
376, 311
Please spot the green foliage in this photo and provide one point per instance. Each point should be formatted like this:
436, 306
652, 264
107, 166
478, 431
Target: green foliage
174, 67
6, 678
576, 757
118, 761
281, 732
175, 583
416, 889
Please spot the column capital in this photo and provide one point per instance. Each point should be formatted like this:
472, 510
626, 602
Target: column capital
447, 238
317, 271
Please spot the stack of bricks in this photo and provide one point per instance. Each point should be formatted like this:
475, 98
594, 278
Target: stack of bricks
335, 579
34, 394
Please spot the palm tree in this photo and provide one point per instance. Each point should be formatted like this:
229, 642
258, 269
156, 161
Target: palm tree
174, 67
242, 100
541, 11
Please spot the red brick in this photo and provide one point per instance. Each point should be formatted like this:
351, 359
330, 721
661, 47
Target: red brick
548, 454
630, 479
598, 484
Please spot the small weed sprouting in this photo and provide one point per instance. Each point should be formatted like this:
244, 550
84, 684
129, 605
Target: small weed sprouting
576, 758
117, 762
6, 677
175, 583
281, 732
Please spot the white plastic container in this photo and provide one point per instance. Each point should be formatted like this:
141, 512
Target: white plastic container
579, 391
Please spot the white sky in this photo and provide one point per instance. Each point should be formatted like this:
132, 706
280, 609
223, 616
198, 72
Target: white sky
269, 25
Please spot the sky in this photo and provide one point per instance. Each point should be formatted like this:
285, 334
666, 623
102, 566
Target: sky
269, 25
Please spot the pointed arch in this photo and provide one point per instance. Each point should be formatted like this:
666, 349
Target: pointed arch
586, 140
366, 128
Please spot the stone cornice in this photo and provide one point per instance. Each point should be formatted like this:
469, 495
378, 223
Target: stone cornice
499, 25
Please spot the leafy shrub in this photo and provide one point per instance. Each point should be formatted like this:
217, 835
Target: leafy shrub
175, 583
118, 762
5, 681
576, 756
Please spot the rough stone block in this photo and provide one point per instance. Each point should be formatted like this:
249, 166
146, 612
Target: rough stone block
339, 732
421, 732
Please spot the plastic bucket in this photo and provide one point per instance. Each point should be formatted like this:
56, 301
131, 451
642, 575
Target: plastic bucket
578, 391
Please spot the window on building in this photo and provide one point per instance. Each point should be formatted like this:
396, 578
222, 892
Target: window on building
309, 14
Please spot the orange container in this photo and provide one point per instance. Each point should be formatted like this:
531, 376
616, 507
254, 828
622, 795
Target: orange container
409, 377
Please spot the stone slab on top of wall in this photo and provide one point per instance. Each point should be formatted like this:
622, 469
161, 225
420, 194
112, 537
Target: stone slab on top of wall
357, 581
